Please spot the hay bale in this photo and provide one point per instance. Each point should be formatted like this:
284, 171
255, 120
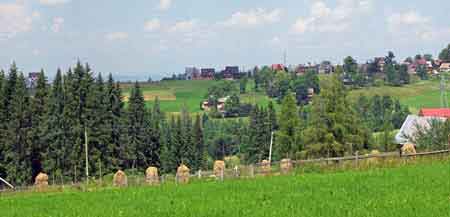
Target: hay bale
219, 168
286, 166
151, 176
183, 174
265, 168
41, 181
408, 148
120, 179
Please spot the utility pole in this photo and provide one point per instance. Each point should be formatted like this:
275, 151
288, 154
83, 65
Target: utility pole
270, 150
86, 152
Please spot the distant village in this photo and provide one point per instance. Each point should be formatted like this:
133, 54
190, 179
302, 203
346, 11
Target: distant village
432, 67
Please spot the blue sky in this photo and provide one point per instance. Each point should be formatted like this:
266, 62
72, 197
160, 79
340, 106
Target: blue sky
140, 38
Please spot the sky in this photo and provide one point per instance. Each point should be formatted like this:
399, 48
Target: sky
138, 39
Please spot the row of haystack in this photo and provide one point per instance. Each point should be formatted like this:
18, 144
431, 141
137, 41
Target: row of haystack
183, 173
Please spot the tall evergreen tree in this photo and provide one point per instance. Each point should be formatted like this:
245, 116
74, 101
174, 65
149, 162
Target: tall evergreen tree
39, 109
56, 150
136, 128
289, 135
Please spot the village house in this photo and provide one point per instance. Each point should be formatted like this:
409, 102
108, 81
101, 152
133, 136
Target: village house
230, 72
435, 112
411, 125
191, 73
277, 67
207, 74
32, 79
445, 67
206, 106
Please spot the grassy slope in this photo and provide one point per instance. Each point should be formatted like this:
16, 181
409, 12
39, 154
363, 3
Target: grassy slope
174, 94
419, 190
418, 95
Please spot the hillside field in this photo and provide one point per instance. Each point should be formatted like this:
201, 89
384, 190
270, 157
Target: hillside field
174, 94
421, 189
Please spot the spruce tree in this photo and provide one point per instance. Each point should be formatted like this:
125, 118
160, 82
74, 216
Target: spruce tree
18, 163
56, 151
289, 134
199, 161
39, 110
136, 128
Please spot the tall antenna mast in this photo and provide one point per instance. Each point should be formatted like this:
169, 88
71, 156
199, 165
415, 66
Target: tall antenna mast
443, 88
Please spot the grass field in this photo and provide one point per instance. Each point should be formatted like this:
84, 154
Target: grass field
423, 94
414, 190
174, 94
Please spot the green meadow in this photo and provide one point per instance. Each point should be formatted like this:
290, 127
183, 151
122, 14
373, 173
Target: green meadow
417, 189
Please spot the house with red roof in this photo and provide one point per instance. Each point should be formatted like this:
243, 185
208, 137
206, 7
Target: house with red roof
435, 112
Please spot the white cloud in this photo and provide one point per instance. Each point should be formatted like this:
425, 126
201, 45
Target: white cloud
411, 18
15, 18
152, 25
57, 24
53, 2
412, 25
116, 36
183, 26
253, 17
164, 4
323, 18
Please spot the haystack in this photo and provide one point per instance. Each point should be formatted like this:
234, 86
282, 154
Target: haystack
408, 148
151, 176
183, 174
265, 168
286, 166
219, 168
41, 181
120, 179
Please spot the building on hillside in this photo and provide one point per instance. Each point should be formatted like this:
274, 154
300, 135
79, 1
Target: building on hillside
207, 106
411, 125
32, 79
207, 73
380, 62
445, 67
325, 68
231, 72
192, 73
435, 112
278, 67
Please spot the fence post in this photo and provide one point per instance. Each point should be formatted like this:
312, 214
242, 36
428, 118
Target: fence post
236, 174
357, 159
221, 174
199, 174
252, 171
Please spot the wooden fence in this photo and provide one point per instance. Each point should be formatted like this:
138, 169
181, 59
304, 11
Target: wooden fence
250, 171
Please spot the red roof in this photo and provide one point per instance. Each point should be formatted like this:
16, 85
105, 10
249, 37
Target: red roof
435, 112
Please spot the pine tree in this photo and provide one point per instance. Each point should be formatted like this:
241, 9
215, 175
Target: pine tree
288, 135
136, 128
19, 165
97, 126
199, 161
56, 151
39, 109
115, 155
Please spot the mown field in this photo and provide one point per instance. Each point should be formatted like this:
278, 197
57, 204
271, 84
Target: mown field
413, 190
174, 94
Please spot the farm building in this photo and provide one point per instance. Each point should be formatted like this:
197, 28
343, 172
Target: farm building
411, 125
435, 112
